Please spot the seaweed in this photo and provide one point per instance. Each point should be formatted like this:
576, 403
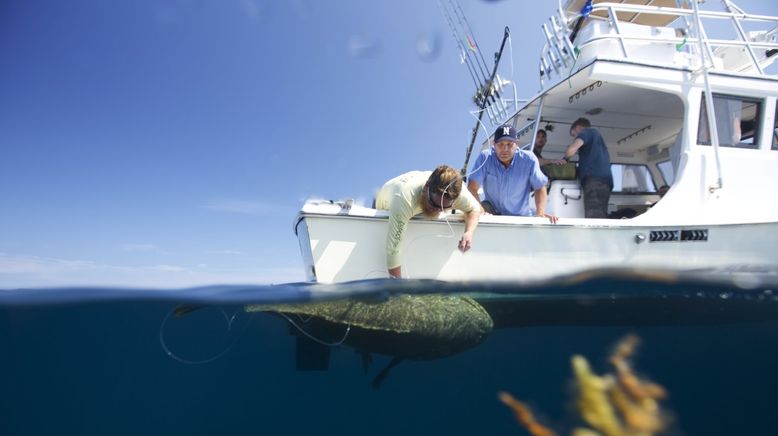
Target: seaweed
616, 404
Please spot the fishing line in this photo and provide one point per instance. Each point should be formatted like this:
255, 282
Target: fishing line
445, 218
303, 318
315, 339
404, 264
481, 123
486, 132
479, 167
414, 240
229, 321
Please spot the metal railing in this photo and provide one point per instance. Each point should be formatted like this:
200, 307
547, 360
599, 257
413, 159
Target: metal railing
560, 55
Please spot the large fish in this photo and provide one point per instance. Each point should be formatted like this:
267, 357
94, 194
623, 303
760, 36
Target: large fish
404, 327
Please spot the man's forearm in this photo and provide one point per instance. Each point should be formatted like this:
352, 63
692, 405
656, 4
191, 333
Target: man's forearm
540, 201
572, 149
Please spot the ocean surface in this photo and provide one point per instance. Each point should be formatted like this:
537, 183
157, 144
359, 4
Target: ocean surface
119, 361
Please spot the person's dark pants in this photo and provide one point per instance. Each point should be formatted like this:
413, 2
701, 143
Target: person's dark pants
596, 193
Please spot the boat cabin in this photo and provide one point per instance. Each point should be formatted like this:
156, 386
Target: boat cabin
638, 76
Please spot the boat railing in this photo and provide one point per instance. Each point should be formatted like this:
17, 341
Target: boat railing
605, 35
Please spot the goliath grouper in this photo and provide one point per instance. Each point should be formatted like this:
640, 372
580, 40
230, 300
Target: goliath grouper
410, 327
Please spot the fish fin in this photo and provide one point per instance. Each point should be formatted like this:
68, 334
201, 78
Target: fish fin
367, 359
385, 372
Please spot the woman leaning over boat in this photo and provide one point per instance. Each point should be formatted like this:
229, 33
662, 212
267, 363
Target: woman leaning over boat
428, 193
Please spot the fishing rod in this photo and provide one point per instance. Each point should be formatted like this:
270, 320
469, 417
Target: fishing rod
460, 45
470, 37
493, 94
484, 102
495, 106
465, 48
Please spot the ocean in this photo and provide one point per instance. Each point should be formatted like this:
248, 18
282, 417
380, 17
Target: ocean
92, 361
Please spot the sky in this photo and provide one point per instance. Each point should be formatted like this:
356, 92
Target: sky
171, 143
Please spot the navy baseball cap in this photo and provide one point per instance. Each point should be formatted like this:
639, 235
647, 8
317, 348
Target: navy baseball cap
506, 132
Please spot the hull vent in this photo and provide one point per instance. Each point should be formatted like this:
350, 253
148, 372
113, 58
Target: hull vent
678, 235
694, 235
664, 235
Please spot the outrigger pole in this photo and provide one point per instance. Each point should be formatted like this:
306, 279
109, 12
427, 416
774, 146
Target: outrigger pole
485, 101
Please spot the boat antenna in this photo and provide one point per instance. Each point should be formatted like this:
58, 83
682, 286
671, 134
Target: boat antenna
484, 102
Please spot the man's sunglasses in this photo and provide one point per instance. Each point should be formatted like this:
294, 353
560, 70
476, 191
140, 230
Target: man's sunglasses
442, 202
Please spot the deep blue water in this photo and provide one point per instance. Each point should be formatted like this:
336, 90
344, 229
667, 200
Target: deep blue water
96, 366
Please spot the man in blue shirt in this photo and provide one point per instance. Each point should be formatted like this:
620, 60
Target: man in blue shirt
594, 167
508, 175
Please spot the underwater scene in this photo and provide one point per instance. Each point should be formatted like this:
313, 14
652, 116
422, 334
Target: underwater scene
155, 156
609, 353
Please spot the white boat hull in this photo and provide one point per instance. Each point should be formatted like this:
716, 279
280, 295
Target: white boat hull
346, 247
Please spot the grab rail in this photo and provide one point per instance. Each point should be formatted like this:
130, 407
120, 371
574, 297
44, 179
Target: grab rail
559, 52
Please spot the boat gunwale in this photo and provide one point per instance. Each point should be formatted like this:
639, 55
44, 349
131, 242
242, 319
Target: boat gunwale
534, 222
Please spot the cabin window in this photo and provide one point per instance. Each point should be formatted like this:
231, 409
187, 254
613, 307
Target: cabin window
737, 121
629, 178
775, 128
668, 173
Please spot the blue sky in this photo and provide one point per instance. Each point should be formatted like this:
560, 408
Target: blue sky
170, 143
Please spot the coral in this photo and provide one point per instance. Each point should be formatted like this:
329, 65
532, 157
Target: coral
618, 404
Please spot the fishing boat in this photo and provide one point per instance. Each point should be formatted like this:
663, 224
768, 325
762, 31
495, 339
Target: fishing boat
651, 80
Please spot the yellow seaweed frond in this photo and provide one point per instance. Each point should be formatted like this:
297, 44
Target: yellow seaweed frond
585, 432
593, 403
639, 417
629, 381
